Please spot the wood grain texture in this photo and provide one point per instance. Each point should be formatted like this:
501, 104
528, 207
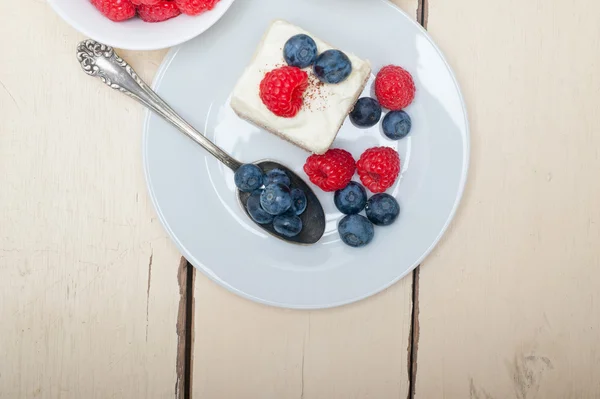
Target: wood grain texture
409, 6
509, 300
81, 317
242, 349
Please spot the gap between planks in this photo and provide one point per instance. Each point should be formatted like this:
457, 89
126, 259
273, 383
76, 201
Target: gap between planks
186, 276
423, 12
413, 336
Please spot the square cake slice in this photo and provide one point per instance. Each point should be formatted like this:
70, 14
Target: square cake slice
325, 106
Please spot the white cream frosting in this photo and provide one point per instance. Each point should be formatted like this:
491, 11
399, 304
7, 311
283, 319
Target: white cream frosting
325, 105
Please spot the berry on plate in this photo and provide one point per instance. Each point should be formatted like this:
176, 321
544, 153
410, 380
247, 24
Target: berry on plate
332, 66
378, 168
288, 224
332, 170
300, 51
356, 230
195, 7
282, 90
366, 112
276, 199
161, 11
382, 209
394, 88
298, 201
351, 199
258, 214
115, 10
396, 125
248, 177
277, 176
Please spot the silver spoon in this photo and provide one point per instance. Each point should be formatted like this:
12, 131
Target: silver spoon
101, 61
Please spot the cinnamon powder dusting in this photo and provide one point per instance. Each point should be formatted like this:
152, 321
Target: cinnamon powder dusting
315, 98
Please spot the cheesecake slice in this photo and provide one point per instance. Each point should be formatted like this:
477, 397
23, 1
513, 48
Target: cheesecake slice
325, 106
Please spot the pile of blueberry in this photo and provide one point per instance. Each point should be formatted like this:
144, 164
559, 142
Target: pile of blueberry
367, 112
331, 66
357, 230
271, 199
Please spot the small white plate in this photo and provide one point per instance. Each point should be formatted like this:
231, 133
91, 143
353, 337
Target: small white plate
135, 34
195, 195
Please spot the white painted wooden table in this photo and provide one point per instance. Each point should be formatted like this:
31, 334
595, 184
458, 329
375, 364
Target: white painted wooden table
95, 302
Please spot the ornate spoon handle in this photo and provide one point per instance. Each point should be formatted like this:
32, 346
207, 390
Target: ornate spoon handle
101, 61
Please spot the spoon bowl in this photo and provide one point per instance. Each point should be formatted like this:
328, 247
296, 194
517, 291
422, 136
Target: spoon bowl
101, 61
313, 218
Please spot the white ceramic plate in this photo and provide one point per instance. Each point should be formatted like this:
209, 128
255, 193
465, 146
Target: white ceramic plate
195, 195
135, 34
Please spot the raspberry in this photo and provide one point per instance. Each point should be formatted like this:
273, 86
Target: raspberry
331, 171
378, 168
281, 90
394, 88
146, 2
115, 10
162, 11
195, 7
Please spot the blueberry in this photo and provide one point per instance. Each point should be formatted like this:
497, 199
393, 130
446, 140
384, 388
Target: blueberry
298, 201
366, 112
300, 51
259, 215
276, 199
356, 230
332, 66
288, 224
248, 177
351, 199
382, 209
277, 176
396, 125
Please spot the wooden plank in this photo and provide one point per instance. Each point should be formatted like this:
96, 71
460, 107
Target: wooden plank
509, 300
409, 6
242, 349
81, 315
354, 351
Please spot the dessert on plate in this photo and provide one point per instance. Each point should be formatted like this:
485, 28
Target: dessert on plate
299, 87
302, 89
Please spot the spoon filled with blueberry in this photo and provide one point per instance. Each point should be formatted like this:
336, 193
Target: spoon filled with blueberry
280, 202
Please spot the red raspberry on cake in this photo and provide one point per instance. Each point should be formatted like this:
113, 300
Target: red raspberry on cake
378, 168
331, 171
115, 10
282, 90
195, 7
161, 11
394, 88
